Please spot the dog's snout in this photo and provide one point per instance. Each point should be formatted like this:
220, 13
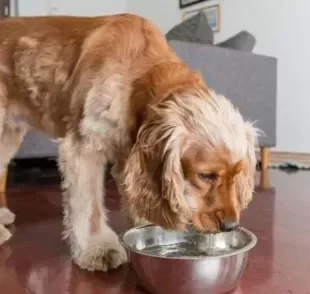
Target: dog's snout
228, 226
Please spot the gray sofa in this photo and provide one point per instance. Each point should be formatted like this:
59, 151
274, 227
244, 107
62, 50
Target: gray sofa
37, 145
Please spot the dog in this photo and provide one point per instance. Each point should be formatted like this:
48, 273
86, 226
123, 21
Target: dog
111, 88
6, 218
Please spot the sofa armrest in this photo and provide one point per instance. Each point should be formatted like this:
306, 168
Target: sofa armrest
248, 80
37, 145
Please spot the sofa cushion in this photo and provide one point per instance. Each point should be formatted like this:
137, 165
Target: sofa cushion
243, 41
195, 29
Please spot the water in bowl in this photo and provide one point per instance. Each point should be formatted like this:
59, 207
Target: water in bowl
186, 249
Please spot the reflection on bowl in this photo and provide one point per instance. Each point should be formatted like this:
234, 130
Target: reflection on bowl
187, 262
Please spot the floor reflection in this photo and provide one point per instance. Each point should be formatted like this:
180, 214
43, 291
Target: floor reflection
36, 260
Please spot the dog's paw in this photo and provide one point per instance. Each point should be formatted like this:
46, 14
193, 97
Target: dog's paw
5, 234
6, 216
101, 256
102, 259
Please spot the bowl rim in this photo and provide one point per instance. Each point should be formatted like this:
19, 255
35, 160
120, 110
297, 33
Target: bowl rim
244, 249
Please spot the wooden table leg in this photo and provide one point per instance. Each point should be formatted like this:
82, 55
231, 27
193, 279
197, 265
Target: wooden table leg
264, 179
265, 157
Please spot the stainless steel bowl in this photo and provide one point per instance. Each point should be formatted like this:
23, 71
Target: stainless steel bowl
171, 262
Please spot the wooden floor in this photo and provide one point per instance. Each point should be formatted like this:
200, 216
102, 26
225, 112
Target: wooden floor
37, 261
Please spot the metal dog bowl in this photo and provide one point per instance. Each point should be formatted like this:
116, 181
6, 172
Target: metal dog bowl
171, 262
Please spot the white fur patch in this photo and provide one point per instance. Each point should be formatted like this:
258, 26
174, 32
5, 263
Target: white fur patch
189, 197
6, 216
192, 203
5, 234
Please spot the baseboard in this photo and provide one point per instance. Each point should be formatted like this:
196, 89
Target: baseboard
280, 157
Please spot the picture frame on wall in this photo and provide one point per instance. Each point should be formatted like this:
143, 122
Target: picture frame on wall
5, 6
187, 3
213, 13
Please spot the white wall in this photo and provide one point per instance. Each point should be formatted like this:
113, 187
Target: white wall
282, 30
73, 7
29, 7
165, 13
87, 7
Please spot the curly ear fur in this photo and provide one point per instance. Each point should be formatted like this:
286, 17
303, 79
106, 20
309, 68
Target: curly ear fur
245, 180
153, 180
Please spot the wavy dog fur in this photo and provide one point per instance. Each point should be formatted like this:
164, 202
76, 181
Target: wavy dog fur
111, 88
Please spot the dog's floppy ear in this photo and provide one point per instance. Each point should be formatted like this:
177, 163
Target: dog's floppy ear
153, 178
246, 178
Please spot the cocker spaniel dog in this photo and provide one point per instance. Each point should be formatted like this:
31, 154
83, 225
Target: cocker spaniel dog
111, 89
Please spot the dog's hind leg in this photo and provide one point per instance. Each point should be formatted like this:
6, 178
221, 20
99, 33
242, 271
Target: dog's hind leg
5, 234
3, 173
10, 140
6, 218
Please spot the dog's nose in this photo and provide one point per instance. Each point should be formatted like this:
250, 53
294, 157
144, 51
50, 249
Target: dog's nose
228, 226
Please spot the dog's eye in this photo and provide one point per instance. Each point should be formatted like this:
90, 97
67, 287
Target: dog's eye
208, 177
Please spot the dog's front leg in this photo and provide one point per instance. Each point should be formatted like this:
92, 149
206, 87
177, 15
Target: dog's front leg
94, 245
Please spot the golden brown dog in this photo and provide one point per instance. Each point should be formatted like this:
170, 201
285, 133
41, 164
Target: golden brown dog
111, 88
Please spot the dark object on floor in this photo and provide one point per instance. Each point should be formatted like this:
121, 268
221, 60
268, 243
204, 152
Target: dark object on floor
290, 165
287, 166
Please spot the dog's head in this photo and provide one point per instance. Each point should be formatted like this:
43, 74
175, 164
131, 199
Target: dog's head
193, 162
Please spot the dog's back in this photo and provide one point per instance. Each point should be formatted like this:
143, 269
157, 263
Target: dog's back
45, 61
